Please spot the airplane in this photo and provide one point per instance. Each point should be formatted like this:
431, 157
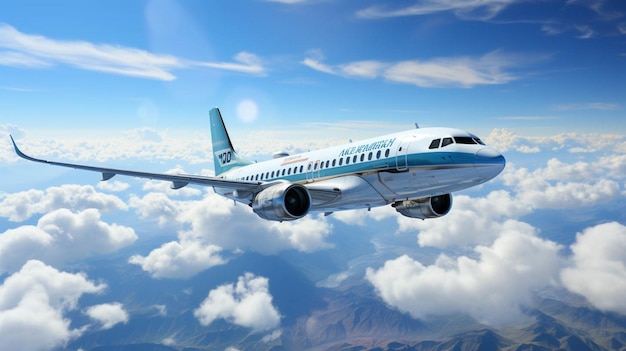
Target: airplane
415, 171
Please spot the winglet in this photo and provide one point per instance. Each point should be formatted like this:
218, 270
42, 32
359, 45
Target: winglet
19, 152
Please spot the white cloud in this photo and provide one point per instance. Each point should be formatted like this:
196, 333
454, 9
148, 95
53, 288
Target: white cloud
491, 68
179, 259
156, 206
504, 140
62, 236
491, 288
546, 188
219, 221
115, 186
598, 267
217, 224
36, 51
471, 10
21, 206
108, 314
32, 306
247, 303
472, 221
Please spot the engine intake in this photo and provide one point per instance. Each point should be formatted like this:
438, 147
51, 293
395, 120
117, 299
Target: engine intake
282, 202
427, 207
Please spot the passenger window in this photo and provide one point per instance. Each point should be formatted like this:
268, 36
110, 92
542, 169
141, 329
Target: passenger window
272, 174
369, 156
284, 171
327, 163
387, 153
301, 168
308, 167
362, 157
340, 161
446, 142
348, 160
434, 144
378, 154
315, 167
257, 177
354, 159
334, 162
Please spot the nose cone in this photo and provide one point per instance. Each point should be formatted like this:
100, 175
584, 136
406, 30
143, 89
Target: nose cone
488, 163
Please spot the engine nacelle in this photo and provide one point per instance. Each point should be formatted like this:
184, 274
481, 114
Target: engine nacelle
282, 202
427, 207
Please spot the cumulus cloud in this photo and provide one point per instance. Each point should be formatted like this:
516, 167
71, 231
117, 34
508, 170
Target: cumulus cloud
156, 206
561, 185
598, 266
36, 51
21, 206
492, 68
218, 221
491, 288
108, 314
180, 259
33, 302
62, 236
247, 303
472, 221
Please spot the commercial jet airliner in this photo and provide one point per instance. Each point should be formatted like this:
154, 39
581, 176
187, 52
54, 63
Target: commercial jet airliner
414, 171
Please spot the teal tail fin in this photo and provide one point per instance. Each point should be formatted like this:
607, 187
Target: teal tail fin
224, 156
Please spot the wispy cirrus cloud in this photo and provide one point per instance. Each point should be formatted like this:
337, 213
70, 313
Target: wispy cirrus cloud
492, 68
602, 106
480, 9
19, 49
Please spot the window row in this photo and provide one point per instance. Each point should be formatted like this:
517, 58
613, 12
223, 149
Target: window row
316, 166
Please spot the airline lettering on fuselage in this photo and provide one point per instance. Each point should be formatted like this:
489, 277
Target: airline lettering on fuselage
381, 144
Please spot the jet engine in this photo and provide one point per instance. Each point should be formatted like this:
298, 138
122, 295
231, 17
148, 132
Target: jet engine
282, 202
427, 207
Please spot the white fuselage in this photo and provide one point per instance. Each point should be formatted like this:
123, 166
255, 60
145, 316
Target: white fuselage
382, 170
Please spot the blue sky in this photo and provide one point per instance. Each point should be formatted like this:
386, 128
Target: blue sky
129, 84
541, 67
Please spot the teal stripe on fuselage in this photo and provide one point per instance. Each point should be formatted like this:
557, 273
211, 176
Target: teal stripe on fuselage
427, 160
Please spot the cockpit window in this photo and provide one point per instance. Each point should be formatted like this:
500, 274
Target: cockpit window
434, 144
478, 141
446, 142
464, 140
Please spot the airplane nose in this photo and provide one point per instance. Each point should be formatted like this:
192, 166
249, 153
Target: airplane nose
488, 163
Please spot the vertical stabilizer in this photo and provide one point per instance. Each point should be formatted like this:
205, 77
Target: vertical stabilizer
224, 156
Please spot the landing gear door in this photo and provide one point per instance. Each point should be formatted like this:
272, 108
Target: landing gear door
401, 154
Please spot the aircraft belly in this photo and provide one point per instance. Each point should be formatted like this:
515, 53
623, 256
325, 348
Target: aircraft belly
356, 192
420, 182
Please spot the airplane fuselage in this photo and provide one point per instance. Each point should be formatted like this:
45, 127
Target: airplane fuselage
382, 170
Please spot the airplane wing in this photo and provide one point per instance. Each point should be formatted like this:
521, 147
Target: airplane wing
178, 180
